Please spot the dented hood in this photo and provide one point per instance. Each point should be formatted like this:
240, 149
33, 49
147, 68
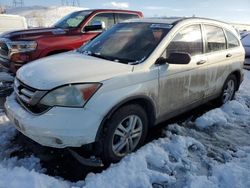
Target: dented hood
72, 67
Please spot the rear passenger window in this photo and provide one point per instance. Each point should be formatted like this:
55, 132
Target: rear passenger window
232, 41
216, 40
123, 16
188, 40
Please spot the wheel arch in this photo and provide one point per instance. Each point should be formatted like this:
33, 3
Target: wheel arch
144, 101
237, 74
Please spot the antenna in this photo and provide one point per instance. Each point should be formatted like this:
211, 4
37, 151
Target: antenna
75, 3
18, 3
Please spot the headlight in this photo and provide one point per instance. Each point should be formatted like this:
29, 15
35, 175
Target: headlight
70, 95
22, 46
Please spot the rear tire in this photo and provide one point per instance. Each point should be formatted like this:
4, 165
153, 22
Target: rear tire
228, 90
124, 132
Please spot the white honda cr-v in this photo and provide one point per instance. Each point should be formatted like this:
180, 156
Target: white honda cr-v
112, 90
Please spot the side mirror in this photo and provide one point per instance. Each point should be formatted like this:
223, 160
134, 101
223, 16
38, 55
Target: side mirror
161, 61
179, 58
97, 25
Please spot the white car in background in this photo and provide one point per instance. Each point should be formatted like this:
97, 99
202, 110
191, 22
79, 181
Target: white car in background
111, 91
10, 22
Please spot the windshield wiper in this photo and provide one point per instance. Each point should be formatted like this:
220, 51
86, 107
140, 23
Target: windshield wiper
98, 55
118, 60
128, 61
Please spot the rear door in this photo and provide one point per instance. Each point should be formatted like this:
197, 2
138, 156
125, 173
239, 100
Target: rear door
222, 50
182, 85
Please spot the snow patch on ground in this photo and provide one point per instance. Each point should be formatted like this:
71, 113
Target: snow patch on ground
38, 16
25, 172
224, 116
6, 77
21, 177
234, 111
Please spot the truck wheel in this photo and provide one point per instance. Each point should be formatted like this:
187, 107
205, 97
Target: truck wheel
125, 132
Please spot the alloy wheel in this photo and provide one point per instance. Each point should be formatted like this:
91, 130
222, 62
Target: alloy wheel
228, 91
127, 135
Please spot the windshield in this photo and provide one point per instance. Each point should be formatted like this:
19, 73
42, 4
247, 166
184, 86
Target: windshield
129, 43
72, 20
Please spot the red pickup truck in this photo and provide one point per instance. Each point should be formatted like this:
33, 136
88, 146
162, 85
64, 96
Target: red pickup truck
69, 33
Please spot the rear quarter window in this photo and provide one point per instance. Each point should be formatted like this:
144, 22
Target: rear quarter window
232, 41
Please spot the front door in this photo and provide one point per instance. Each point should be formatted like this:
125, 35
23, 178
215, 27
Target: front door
183, 84
107, 18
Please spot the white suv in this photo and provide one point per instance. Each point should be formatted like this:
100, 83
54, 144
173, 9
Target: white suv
111, 91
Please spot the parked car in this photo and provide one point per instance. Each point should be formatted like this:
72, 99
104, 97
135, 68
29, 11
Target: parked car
245, 40
111, 91
10, 22
69, 33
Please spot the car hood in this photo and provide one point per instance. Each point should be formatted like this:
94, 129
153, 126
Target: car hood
32, 34
72, 67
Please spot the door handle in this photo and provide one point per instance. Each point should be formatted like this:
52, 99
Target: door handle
229, 55
201, 62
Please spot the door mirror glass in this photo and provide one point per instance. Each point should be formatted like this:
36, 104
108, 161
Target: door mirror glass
95, 26
179, 58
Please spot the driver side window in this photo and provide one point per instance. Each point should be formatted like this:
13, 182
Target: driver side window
188, 40
107, 18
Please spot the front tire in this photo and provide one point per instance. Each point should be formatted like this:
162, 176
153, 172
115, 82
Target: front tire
124, 132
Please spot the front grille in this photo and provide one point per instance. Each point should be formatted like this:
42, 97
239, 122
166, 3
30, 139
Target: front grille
4, 50
29, 97
36, 109
24, 92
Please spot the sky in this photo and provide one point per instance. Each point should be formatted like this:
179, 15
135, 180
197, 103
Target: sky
225, 10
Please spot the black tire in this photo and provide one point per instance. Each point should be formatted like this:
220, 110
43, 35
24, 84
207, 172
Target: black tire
230, 79
113, 124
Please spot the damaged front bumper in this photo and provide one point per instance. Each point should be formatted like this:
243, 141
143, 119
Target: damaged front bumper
59, 127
